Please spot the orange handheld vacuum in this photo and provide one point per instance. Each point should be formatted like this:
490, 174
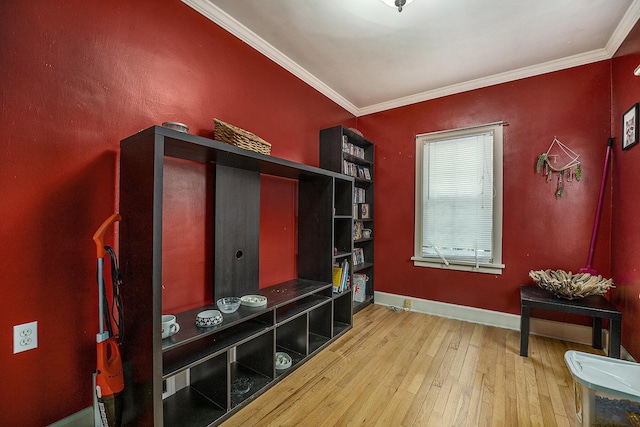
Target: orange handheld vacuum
109, 374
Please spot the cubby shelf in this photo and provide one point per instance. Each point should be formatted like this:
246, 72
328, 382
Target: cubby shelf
202, 376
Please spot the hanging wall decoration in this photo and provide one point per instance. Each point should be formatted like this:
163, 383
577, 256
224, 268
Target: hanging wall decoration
561, 160
630, 127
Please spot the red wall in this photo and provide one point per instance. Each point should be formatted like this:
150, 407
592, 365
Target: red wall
539, 231
77, 77
625, 245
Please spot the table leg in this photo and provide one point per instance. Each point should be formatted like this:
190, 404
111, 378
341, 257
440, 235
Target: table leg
596, 333
615, 332
524, 330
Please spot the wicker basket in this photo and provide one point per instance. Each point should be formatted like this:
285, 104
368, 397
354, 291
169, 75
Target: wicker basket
240, 138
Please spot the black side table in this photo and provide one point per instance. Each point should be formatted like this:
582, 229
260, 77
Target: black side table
595, 306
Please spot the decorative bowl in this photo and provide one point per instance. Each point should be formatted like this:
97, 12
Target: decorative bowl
570, 286
208, 318
283, 360
228, 304
181, 127
254, 300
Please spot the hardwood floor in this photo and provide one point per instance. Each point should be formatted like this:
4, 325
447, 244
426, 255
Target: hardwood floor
412, 369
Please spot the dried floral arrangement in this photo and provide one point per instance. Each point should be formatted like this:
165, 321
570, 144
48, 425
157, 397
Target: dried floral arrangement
571, 170
571, 286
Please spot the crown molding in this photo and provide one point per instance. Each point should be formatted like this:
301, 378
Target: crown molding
230, 24
521, 73
624, 28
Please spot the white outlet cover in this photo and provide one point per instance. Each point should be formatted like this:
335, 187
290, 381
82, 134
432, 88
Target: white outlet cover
25, 337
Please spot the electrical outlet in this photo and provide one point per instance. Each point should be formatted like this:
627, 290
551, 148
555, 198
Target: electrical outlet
25, 337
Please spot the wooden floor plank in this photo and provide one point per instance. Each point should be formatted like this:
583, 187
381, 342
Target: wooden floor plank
411, 369
499, 410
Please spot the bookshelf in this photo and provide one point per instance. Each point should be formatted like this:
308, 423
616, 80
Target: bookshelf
345, 151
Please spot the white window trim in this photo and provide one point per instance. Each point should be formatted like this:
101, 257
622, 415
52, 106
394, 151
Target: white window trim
496, 266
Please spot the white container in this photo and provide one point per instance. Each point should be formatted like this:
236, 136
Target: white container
607, 391
359, 287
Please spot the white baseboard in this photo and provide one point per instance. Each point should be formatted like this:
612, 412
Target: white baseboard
82, 418
451, 311
547, 328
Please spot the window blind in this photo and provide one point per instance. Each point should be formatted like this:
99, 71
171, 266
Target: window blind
458, 198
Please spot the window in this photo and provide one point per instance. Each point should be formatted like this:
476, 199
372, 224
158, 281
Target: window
459, 199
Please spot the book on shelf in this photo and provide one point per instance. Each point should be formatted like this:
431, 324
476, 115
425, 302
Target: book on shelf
352, 149
345, 276
352, 169
337, 276
359, 195
347, 168
341, 281
358, 256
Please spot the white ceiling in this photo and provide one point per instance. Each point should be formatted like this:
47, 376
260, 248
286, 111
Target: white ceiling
369, 57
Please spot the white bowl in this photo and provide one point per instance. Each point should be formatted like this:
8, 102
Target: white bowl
283, 360
208, 318
254, 300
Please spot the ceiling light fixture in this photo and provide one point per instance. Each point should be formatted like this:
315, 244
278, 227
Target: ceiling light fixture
398, 3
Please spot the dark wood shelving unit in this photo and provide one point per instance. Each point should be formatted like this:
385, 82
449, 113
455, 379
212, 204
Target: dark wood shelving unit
336, 154
192, 377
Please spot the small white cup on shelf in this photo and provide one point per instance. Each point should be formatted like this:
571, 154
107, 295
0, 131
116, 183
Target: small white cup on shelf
169, 325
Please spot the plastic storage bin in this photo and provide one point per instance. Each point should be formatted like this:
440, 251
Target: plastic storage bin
607, 391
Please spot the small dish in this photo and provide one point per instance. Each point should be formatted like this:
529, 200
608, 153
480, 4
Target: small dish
180, 127
254, 300
283, 361
208, 318
228, 304
241, 386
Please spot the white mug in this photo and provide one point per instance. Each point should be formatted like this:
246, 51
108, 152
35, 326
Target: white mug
169, 325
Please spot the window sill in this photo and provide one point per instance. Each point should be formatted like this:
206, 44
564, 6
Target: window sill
459, 266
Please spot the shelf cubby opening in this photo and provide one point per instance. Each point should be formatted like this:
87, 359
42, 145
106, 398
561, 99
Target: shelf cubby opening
245, 383
343, 230
188, 407
181, 357
319, 327
206, 378
300, 306
291, 338
342, 313
343, 198
257, 354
